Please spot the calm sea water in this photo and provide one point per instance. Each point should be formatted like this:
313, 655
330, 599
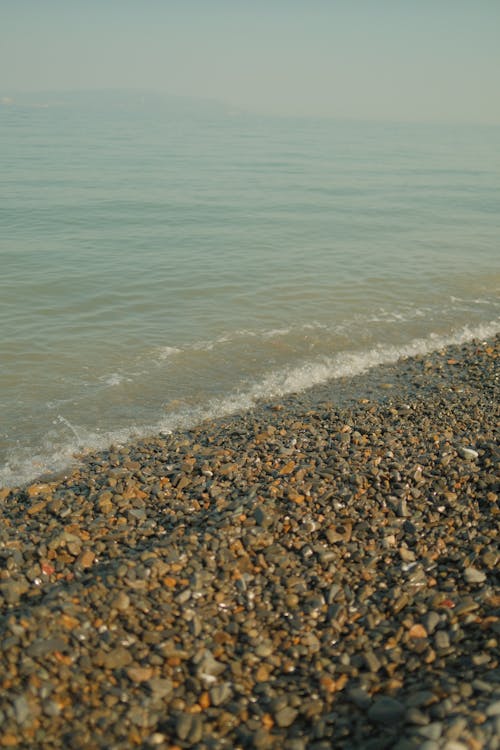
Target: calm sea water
160, 263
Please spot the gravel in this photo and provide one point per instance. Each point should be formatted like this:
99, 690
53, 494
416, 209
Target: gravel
319, 572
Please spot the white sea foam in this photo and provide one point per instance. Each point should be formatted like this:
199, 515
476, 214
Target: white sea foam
349, 364
165, 352
275, 332
114, 379
24, 466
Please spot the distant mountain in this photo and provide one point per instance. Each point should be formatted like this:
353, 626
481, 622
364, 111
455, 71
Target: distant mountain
117, 99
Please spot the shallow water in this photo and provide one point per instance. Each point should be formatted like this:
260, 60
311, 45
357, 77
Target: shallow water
162, 262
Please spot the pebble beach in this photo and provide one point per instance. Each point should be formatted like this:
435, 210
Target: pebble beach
319, 572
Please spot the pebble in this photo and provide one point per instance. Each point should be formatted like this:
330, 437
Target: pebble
220, 694
286, 716
386, 710
431, 621
493, 709
432, 731
468, 453
313, 573
442, 640
472, 575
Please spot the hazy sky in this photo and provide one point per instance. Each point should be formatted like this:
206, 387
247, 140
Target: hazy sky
389, 59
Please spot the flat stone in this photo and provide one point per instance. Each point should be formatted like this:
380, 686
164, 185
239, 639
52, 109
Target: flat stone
468, 453
220, 694
442, 640
139, 674
432, 731
183, 725
286, 716
431, 620
117, 658
473, 575
22, 709
161, 687
13, 590
386, 710
360, 698
208, 668
43, 646
86, 559
121, 601
466, 605
493, 709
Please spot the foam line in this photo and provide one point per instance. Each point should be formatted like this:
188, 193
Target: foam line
276, 384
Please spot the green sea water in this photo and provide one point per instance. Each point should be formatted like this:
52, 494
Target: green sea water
162, 261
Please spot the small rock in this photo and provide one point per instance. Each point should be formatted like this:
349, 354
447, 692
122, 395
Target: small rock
161, 688
466, 605
117, 658
431, 621
43, 646
139, 674
22, 709
13, 590
432, 731
415, 716
196, 732
208, 668
85, 559
286, 716
386, 710
402, 509
360, 698
468, 453
473, 575
183, 725
121, 601
442, 640
220, 693
262, 518
493, 709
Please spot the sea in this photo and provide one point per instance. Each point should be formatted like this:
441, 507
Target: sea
166, 260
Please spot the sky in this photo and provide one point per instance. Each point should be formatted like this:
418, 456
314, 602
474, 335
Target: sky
404, 60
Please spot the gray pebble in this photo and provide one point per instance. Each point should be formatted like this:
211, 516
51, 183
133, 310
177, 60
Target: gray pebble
472, 575
430, 621
220, 693
493, 709
286, 716
468, 453
432, 731
22, 709
386, 709
183, 725
442, 640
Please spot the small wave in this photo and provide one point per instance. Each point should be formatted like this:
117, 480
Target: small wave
243, 333
350, 364
167, 351
114, 379
25, 466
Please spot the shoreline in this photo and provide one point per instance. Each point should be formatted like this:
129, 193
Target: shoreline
320, 571
343, 373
